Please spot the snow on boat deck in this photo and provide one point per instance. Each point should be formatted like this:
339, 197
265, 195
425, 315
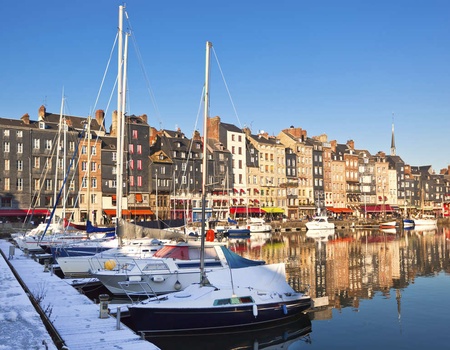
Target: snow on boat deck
75, 317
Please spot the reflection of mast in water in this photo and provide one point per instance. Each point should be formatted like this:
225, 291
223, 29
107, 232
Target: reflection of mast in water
398, 297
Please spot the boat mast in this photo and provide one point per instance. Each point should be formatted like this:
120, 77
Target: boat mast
119, 135
203, 278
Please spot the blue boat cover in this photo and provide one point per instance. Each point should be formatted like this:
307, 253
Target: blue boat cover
93, 229
235, 261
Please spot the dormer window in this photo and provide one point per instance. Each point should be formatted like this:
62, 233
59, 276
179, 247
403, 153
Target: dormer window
41, 125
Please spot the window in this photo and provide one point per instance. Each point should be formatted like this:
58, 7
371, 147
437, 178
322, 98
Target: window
131, 179
83, 150
93, 150
48, 144
131, 148
114, 156
5, 132
20, 165
36, 162
48, 184
20, 147
36, 184
7, 164
139, 164
84, 183
135, 134
6, 146
84, 166
139, 149
93, 166
71, 146
131, 162
36, 144
6, 202
94, 182
139, 181
93, 198
19, 184
7, 186
72, 185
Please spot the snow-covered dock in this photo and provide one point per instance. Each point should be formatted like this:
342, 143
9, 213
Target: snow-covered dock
75, 317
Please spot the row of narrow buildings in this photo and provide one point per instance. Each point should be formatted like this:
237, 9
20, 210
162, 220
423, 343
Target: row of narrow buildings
72, 161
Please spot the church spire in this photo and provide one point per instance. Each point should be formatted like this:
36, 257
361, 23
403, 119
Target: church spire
393, 139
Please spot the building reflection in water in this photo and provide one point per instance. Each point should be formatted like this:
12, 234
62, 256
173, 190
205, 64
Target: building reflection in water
350, 265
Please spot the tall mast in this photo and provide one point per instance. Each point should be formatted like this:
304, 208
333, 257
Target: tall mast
88, 216
203, 278
119, 173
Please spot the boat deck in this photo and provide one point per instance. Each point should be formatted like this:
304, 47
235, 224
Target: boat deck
74, 318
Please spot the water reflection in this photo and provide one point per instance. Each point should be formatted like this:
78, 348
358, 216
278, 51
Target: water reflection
350, 265
275, 337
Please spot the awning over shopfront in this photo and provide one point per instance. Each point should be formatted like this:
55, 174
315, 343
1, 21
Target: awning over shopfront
380, 208
273, 210
128, 212
23, 212
141, 212
245, 210
339, 210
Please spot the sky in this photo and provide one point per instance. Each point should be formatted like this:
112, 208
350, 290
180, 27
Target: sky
348, 69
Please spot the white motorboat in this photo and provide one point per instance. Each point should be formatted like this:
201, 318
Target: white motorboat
170, 269
320, 222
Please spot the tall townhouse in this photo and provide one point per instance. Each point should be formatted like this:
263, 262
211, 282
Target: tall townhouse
291, 184
135, 201
253, 174
326, 162
339, 197
185, 183
272, 173
90, 170
318, 173
382, 179
38, 171
397, 166
233, 139
351, 174
295, 139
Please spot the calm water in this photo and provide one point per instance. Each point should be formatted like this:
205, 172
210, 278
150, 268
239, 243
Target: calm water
385, 291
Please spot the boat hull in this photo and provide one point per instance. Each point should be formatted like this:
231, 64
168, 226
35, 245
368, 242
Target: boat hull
172, 320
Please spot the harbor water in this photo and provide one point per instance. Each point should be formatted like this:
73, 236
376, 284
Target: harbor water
385, 290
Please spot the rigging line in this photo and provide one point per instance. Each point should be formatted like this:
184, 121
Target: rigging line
226, 86
195, 128
144, 72
105, 72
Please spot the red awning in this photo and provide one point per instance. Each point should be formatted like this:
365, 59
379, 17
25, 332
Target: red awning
244, 210
256, 190
138, 197
380, 208
256, 201
242, 190
141, 212
340, 210
23, 212
112, 212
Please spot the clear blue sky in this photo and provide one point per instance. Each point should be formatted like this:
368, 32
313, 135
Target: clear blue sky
343, 68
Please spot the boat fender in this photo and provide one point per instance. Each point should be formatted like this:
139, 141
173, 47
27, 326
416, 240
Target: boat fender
110, 264
210, 235
285, 311
255, 310
177, 285
158, 279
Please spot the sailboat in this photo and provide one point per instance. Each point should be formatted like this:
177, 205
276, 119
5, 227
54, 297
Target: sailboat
223, 299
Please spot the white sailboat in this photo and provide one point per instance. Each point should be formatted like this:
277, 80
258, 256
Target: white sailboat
227, 298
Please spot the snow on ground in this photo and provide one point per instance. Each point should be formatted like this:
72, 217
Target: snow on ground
21, 325
74, 316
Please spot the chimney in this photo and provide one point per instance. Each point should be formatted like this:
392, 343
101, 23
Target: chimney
100, 117
114, 124
144, 118
26, 118
333, 145
351, 144
213, 128
41, 114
